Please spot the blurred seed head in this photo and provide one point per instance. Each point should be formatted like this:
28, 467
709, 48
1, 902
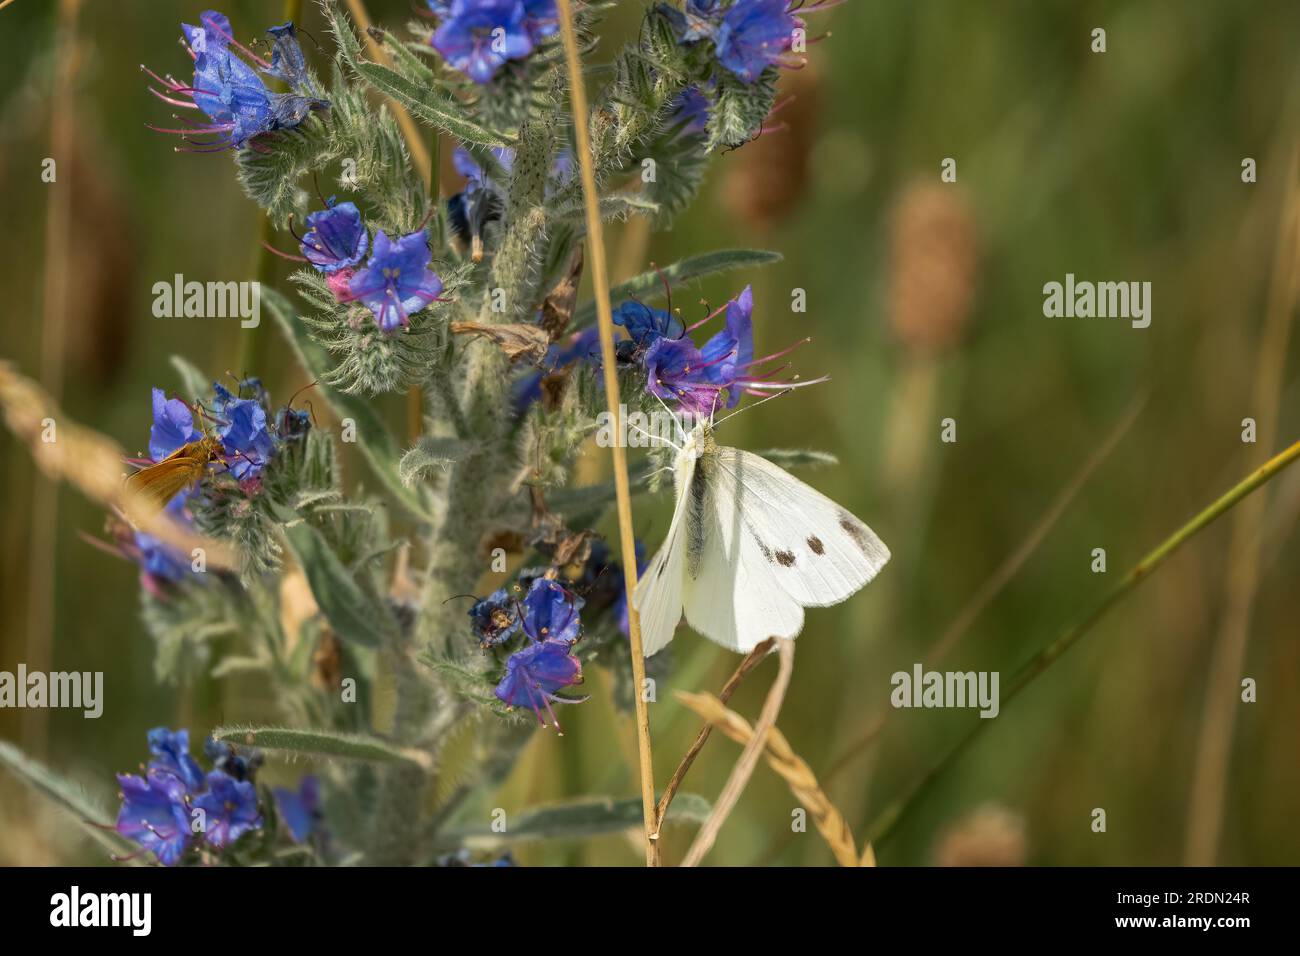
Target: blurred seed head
933, 266
768, 176
988, 836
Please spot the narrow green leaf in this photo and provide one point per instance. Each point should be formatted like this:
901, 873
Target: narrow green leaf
580, 819
376, 442
679, 274
351, 612
423, 103
84, 809
322, 743
798, 457
447, 114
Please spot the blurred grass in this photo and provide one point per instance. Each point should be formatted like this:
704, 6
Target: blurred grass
1119, 166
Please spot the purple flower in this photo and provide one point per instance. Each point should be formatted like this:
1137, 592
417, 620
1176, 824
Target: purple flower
299, 809
676, 371
336, 238
696, 378
158, 561
245, 437
551, 612
534, 674
154, 815
171, 752
753, 35
229, 92
397, 280
173, 425
477, 37
230, 806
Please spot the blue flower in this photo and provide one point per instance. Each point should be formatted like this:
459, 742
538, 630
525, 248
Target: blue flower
478, 37
494, 619
697, 378
173, 425
245, 437
551, 612
299, 809
753, 35
230, 93
646, 325
676, 371
397, 280
690, 112
159, 561
534, 674
154, 815
171, 752
230, 807
336, 238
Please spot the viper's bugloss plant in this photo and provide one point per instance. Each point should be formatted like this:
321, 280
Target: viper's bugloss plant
462, 595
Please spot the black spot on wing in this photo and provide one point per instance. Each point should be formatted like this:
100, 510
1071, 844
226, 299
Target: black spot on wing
815, 544
855, 530
785, 557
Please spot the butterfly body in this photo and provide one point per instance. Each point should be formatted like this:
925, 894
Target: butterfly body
160, 482
749, 547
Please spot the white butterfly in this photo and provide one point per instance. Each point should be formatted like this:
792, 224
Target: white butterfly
750, 546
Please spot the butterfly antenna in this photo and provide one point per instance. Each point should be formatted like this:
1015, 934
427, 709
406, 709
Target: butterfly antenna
681, 432
747, 408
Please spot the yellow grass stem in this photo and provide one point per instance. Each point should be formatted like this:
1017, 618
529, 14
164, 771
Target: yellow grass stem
600, 279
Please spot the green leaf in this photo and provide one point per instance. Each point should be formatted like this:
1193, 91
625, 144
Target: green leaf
323, 743
85, 810
376, 442
440, 110
580, 819
679, 274
798, 457
351, 612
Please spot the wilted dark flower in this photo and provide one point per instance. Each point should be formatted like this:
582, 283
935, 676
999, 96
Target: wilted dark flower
495, 618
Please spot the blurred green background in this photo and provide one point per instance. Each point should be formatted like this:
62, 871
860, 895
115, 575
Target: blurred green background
924, 302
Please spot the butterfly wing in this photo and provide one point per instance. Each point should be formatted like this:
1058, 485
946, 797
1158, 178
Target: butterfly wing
159, 483
731, 595
817, 553
658, 595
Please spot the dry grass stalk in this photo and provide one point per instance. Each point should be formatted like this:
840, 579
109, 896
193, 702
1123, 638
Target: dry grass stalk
782, 758
729, 688
748, 760
90, 461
